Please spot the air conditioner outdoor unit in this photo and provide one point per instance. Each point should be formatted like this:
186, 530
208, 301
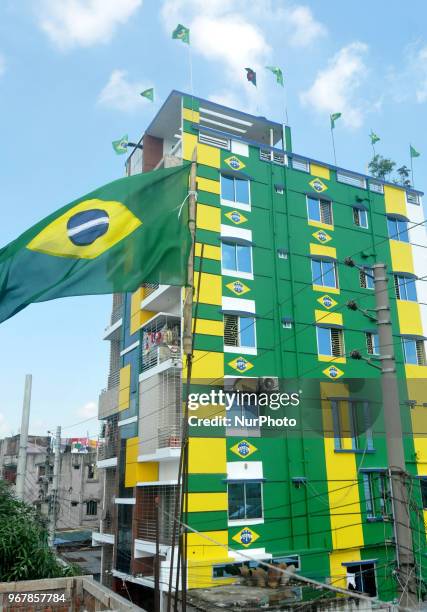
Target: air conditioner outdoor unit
268, 384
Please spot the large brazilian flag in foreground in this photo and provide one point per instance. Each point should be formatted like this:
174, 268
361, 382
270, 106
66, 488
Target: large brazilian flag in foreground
113, 239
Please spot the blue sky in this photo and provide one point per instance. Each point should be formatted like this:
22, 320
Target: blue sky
70, 73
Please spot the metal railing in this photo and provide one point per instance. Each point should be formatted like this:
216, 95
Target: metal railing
158, 355
108, 444
150, 288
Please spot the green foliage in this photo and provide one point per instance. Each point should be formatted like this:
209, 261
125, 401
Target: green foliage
24, 552
381, 167
403, 173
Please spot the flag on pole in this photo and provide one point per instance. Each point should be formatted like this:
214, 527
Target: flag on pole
278, 74
126, 233
182, 33
148, 93
374, 138
334, 117
413, 152
251, 76
120, 146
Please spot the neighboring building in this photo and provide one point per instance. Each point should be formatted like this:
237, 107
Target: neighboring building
80, 489
276, 228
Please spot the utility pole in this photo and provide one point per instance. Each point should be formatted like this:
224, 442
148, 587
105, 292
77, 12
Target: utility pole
23, 439
54, 490
407, 584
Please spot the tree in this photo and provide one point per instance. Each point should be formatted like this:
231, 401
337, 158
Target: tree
404, 173
24, 552
381, 167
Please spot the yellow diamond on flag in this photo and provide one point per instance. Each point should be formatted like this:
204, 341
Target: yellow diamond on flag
243, 449
238, 287
86, 230
327, 302
318, 185
240, 364
333, 372
322, 236
246, 537
236, 217
234, 163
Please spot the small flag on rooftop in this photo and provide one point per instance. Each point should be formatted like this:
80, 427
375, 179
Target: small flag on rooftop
148, 93
120, 146
277, 73
251, 76
374, 138
413, 152
334, 117
182, 33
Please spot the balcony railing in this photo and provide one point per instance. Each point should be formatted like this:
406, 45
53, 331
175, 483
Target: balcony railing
159, 354
150, 288
170, 436
116, 314
108, 444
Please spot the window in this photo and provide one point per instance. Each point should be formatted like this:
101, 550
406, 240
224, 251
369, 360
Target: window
242, 421
405, 288
366, 278
236, 257
330, 341
244, 500
230, 570
423, 485
414, 351
300, 164
91, 507
91, 471
319, 210
239, 331
372, 343
377, 495
397, 229
360, 217
74, 503
214, 140
351, 419
324, 273
235, 190
351, 179
361, 578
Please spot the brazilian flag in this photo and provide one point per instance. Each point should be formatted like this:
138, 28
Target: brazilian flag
131, 231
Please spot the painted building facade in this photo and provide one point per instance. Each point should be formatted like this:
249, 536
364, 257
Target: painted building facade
270, 314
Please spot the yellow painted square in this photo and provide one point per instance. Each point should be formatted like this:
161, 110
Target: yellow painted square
207, 502
320, 171
409, 318
210, 290
208, 217
124, 387
401, 256
207, 456
395, 200
323, 251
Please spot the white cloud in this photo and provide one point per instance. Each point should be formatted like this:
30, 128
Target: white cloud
73, 23
335, 87
304, 29
121, 94
88, 410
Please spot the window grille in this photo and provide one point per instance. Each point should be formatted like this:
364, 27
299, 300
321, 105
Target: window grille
337, 342
216, 141
355, 180
376, 186
231, 331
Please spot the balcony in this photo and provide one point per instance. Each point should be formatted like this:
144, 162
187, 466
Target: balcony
108, 444
108, 402
162, 298
145, 513
160, 354
161, 344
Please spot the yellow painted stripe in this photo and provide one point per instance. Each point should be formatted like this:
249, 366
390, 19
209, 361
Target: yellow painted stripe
207, 502
207, 456
326, 289
191, 115
395, 201
210, 291
207, 366
320, 171
209, 327
124, 387
401, 256
204, 184
416, 371
417, 390
320, 224
138, 472
323, 317
209, 252
329, 358
208, 217
409, 317
323, 251
338, 572
206, 155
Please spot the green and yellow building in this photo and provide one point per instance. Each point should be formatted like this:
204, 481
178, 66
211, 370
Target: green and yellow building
273, 230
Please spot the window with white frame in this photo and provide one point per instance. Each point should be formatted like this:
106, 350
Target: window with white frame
319, 210
324, 273
239, 331
330, 341
372, 343
360, 217
244, 500
398, 229
351, 419
236, 258
377, 494
366, 278
405, 288
235, 190
414, 351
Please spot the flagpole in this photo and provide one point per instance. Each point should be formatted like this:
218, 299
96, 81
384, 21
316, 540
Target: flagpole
412, 169
333, 145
